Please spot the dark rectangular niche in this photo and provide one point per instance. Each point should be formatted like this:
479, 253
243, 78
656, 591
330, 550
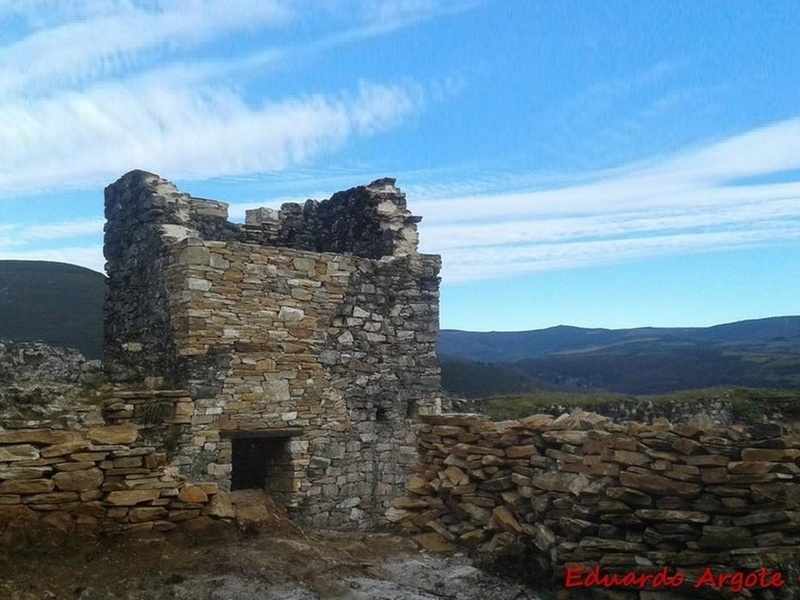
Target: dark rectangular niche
262, 460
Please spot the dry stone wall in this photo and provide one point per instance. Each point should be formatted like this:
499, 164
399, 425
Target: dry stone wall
307, 335
626, 498
96, 477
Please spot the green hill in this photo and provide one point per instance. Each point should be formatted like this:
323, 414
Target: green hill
511, 346
762, 353
56, 303
654, 368
469, 379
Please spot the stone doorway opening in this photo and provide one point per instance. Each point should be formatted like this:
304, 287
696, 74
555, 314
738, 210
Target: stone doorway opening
263, 460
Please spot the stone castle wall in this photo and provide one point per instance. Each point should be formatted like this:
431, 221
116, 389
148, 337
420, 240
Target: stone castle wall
307, 332
585, 492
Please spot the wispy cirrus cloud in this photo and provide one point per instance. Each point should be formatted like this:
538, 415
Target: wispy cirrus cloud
76, 242
79, 43
90, 90
82, 139
715, 197
89, 256
18, 234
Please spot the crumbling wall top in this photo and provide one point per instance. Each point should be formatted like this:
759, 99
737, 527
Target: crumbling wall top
370, 221
141, 198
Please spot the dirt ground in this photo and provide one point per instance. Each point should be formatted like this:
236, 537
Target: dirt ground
263, 556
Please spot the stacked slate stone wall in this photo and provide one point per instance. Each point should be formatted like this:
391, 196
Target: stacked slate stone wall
91, 476
586, 492
144, 215
316, 326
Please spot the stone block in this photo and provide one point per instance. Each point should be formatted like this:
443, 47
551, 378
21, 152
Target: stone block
672, 516
764, 517
291, 314
51, 498
131, 497
114, 434
64, 449
192, 493
18, 452
146, 513
178, 515
128, 462
27, 486
17, 472
74, 466
506, 519
655, 484
575, 438
523, 451
221, 506
771, 455
78, 481
45, 437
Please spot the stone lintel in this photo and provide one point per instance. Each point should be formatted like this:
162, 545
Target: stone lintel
277, 432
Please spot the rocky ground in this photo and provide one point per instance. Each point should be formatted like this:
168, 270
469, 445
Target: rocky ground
263, 557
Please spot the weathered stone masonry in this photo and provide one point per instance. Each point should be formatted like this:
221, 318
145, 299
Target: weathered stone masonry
587, 492
305, 338
78, 457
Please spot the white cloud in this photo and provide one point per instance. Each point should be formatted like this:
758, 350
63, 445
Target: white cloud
90, 257
566, 229
697, 177
92, 90
89, 138
69, 45
688, 203
771, 149
484, 263
13, 235
97, 42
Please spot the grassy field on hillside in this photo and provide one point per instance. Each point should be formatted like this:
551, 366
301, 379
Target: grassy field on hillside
747, 405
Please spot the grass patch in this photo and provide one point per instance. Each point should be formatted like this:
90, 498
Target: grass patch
745, 411
747, 405
154, 413
501, 408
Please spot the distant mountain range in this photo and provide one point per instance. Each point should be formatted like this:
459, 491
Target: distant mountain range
757, 353
63, 305
503, 347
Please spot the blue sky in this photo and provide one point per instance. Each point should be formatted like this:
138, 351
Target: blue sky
596, 163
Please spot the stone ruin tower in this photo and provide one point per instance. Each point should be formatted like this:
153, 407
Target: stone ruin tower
305, 338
